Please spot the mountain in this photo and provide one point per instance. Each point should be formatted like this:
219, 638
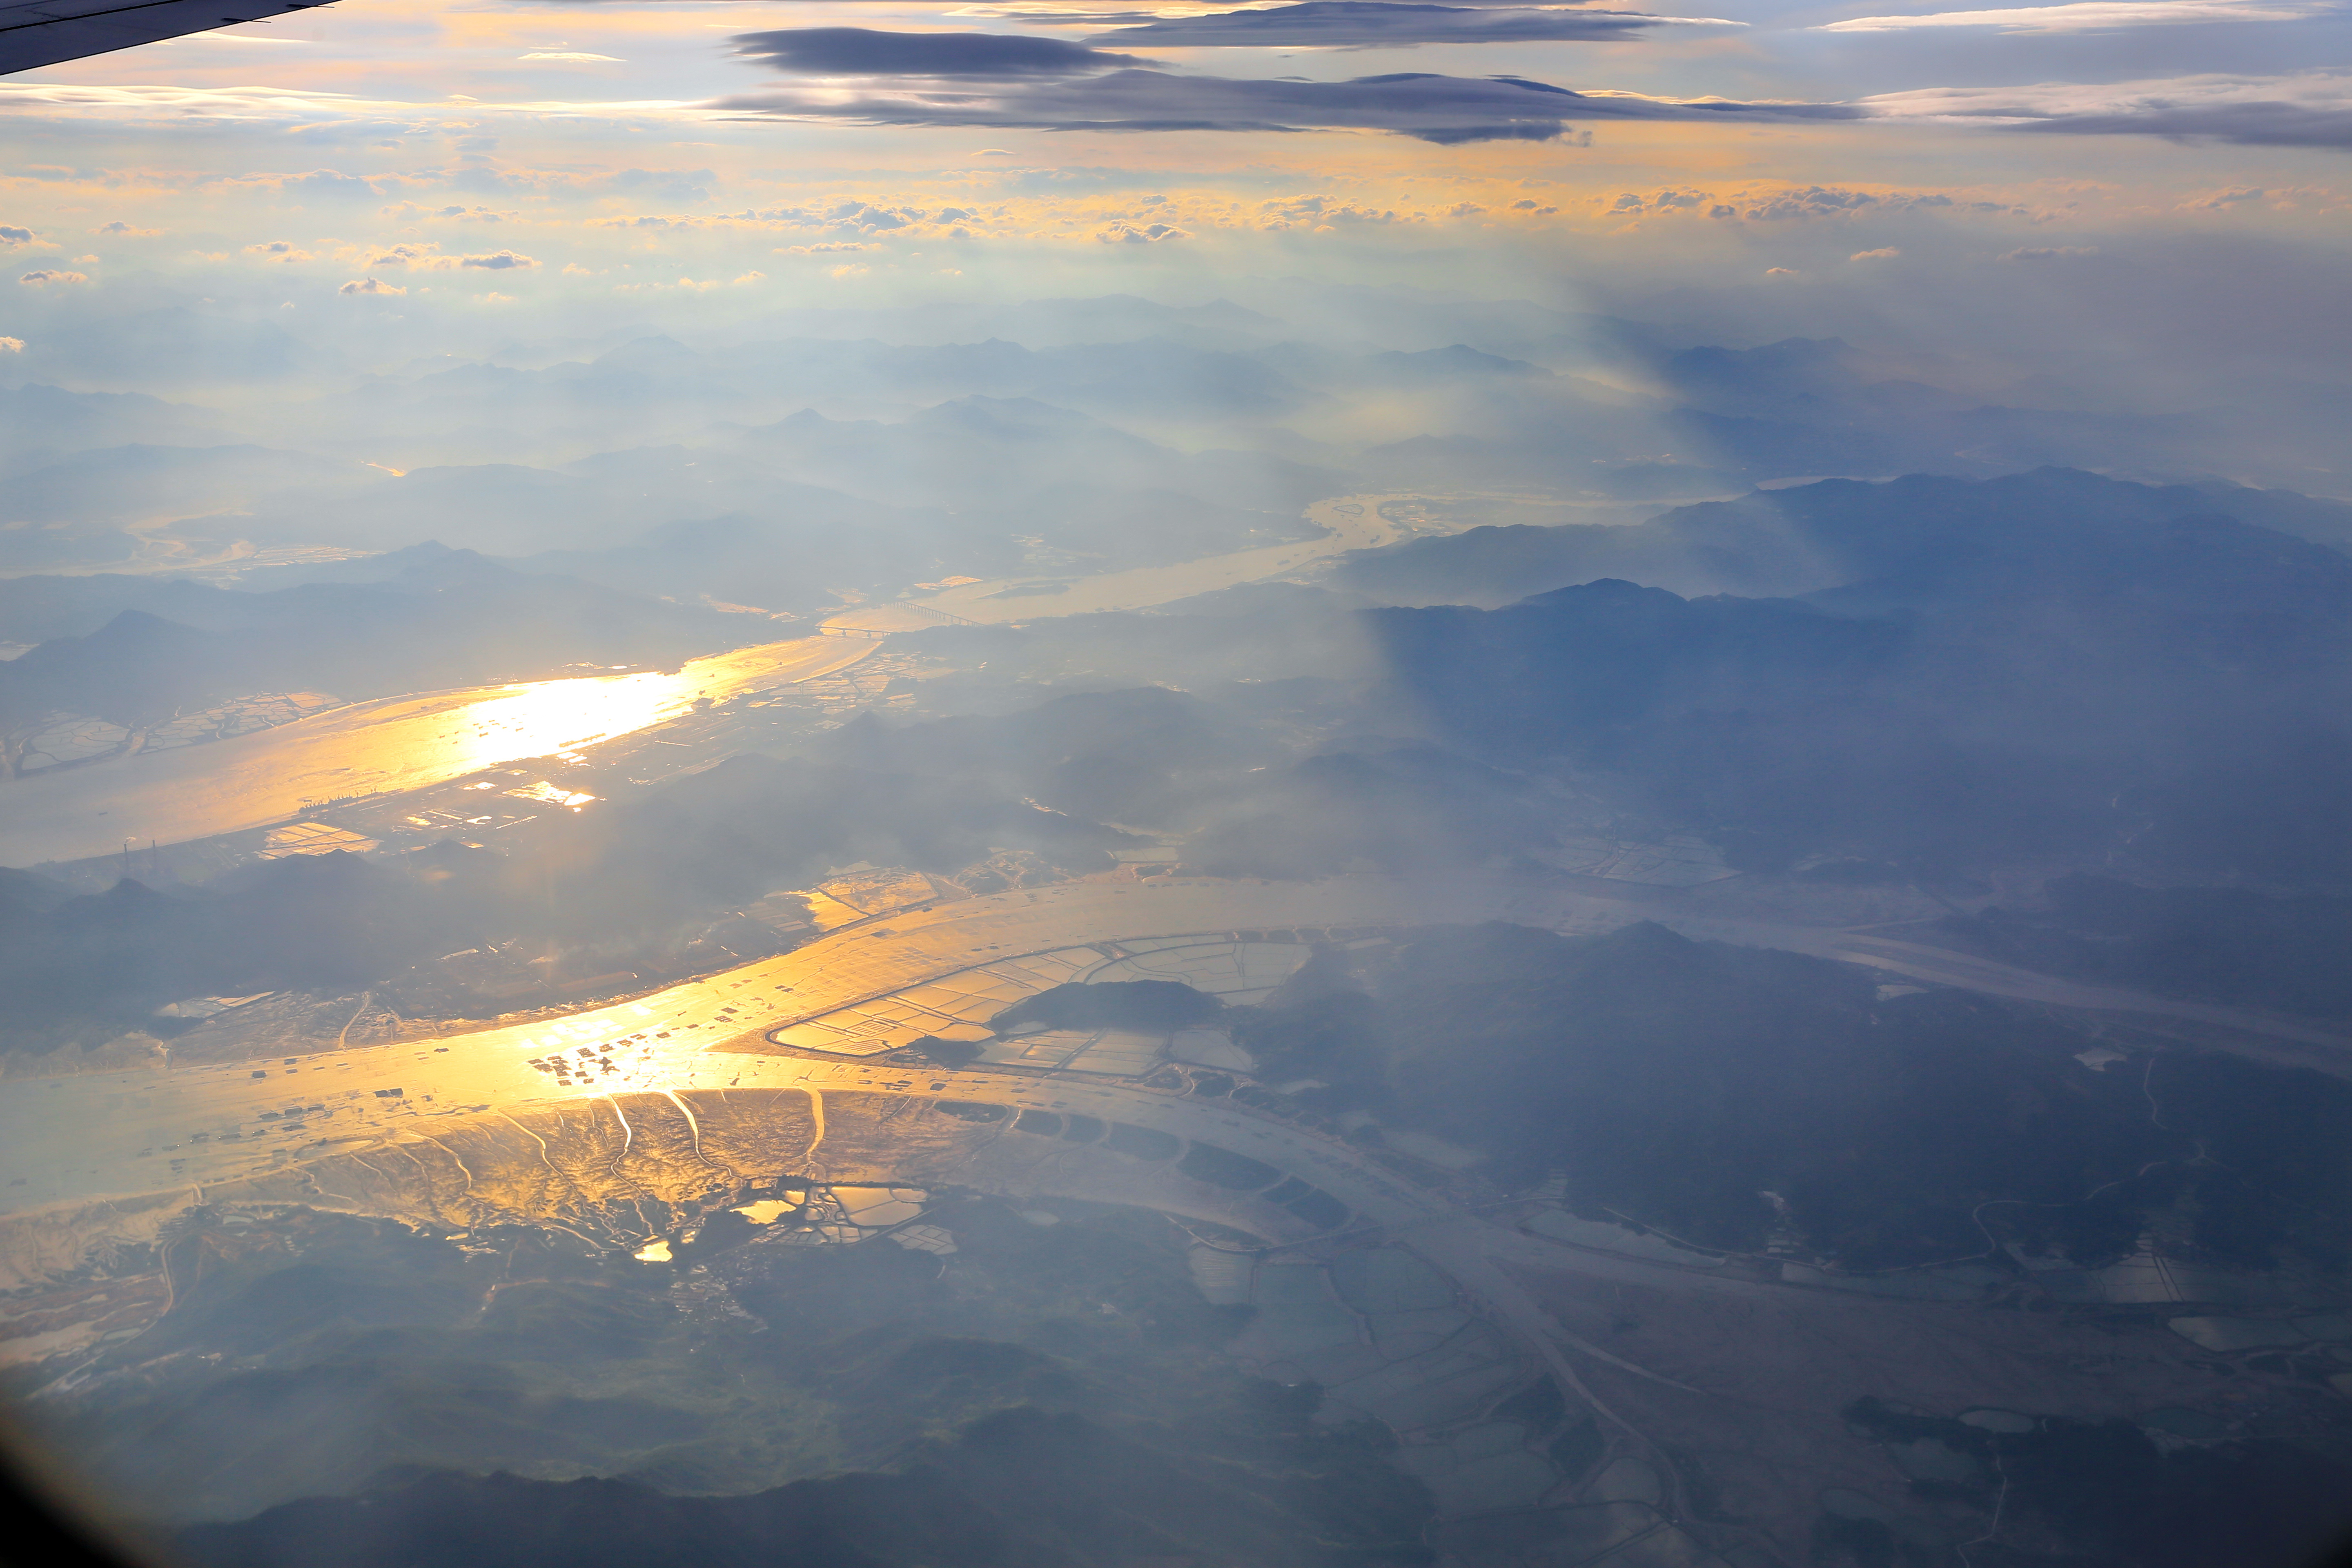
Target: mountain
994, 450
1920, 531
2052, 664
41, 424
449, 618
1148, 756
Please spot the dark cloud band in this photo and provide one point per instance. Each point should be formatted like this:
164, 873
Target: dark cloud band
1431, 107
2275, 125
867, 51
1372, 24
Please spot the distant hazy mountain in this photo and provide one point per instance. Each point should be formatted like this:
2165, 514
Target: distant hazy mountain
39, 424
1149, 757
2052, 663
449, 618
986, 451
1838, 532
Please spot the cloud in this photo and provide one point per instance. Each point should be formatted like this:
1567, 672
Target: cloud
865, 51
569, 55
2222, 201
330, 183
1320, 214
46, 276
1782, 272
1796, 203
1884, 253
1431, 107
1631, 203
1377, 24
278, 250
11, 234
120, 230
2048, 252
371, 286
1129, 234
12, 346
2090, 16
2313, 109
833, 248
867, 218
425, 257
2280, 198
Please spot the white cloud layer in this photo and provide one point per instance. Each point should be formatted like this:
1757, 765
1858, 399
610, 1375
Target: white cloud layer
2312, 109
2093, 16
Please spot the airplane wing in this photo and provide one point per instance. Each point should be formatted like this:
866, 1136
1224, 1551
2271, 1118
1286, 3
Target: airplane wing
35, 33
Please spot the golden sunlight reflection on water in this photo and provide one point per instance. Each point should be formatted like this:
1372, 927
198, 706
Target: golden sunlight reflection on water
537, 721
371, 748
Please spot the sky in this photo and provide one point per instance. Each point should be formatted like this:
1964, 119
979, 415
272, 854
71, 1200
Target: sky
2157, 183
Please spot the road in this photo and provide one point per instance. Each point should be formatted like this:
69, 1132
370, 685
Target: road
2328, 1051
371, 748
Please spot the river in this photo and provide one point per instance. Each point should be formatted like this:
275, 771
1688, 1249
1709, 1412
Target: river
1349, 522
371, 748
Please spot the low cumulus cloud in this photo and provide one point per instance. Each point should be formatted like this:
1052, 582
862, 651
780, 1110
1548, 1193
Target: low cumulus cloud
2278, 198
2048, 252
12, 236
12, 346
2310, 110
1377, 24
427, 258
1798, 203
329, 184
1428, 107
120, 230
2092, 16
371, 286
49, 275
2222, 201
1633, 203
278, 250
695, 285
1321, 213
1131, 234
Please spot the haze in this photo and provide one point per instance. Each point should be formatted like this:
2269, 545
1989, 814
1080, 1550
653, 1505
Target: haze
1470, 785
